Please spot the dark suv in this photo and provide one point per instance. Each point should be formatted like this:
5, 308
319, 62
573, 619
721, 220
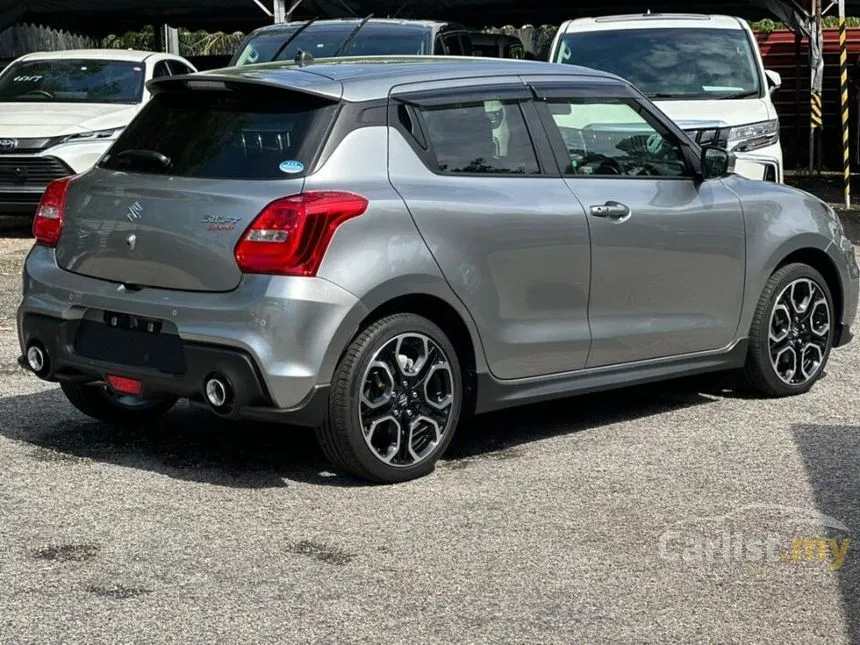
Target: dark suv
357, 37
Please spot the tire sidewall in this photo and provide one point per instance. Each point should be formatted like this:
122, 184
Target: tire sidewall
763, 332
350, 416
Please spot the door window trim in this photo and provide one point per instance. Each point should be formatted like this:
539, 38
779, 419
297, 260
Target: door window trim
416, 135
562, 155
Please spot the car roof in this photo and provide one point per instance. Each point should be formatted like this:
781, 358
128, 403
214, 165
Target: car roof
653, 21
95, 54
373, 77
394, 22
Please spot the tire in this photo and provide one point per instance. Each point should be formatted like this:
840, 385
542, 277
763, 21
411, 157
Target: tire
99, 403
801, 328
362, 397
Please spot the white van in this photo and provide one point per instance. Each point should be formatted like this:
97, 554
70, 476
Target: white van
704, 72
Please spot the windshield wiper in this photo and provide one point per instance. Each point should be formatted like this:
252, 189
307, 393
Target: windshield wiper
669, 95
151, 156
739, 95
292, 37
352, 35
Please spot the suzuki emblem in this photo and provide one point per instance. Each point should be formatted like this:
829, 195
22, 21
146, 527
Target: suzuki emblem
7, 145
131, 241
134, 212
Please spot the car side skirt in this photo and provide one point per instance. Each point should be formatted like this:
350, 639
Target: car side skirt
495, 394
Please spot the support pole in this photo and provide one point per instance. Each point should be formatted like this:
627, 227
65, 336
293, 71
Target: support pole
279, 11
798, 41
843, 92
815, 118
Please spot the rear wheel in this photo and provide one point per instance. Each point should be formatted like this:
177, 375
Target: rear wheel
98, 402
792, 332
395, 401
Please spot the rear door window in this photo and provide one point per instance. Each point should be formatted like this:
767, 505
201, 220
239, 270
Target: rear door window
243, 134
482, 137
178, 69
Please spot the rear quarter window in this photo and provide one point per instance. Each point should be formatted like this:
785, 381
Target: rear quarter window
240, 134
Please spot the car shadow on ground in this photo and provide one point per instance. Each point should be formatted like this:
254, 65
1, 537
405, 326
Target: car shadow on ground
192, 444
831, 455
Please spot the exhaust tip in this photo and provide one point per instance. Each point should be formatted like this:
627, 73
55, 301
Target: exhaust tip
37, 359
217, 392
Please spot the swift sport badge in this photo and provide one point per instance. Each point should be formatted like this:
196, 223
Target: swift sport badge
220, 223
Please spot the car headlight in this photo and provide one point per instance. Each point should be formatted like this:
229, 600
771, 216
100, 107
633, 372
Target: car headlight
94, 135
743, 138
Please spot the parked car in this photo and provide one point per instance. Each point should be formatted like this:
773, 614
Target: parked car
355, 37
60, 111
496, 45
705, 72
379, 247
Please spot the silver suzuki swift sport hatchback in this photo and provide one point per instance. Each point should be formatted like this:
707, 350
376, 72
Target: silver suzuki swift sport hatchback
378, 248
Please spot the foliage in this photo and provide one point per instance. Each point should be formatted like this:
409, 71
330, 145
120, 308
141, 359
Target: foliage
191, 43
765, 27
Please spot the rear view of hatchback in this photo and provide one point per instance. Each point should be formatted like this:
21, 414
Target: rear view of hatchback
376, 249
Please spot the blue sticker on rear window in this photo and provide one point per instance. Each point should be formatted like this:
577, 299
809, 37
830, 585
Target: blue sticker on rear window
291, 167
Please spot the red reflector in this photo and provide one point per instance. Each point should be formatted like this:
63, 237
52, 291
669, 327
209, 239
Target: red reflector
125, 385
48, 223
291, 235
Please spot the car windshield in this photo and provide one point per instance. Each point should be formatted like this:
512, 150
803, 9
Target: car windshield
73, 81
670, 63
323, 40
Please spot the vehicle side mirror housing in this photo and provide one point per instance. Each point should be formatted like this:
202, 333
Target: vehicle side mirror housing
774, 80
717, 162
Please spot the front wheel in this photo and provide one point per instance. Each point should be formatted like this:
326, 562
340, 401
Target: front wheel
98, 402
395, 401
792, 332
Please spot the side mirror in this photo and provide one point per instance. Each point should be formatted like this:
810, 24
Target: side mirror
717, 162
774, 80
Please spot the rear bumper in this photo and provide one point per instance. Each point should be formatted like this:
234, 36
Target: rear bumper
199, 361
290, 330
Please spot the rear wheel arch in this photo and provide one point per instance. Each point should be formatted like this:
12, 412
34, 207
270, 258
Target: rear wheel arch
440, 312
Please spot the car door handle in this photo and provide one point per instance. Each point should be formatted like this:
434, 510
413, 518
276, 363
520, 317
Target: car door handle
615, 211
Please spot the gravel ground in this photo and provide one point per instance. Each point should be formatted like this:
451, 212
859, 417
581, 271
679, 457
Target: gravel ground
600, 518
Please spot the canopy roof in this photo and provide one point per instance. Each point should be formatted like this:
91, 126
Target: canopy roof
101, 17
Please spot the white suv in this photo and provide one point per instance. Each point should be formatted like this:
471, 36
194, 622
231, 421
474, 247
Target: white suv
60, 111
704, 72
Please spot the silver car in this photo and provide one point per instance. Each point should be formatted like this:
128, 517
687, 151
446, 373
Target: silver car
379, 248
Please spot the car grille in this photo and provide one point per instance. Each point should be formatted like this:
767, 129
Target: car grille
31, 171
18, 146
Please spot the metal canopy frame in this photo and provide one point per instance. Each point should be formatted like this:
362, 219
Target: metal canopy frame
100, 17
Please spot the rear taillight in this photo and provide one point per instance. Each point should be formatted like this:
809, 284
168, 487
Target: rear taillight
48, 223
292, 234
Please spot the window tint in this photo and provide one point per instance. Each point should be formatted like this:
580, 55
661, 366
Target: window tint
608, 137
160, 70
670, 63
481, 137
72, 81
324, 39
452, 45
249, 135
178, 69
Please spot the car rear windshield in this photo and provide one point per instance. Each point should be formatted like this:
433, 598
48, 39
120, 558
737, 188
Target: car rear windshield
323, 40
240, 134
670, 63
73, 81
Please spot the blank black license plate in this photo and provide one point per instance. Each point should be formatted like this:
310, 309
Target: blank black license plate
131, 341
